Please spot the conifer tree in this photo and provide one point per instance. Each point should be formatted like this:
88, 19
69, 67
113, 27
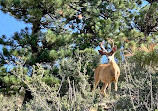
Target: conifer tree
62, 28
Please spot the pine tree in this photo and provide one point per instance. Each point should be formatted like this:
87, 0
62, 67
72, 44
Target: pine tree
61, 29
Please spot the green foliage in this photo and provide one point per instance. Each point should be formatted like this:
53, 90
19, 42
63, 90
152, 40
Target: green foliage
124, 103
53, 54
57, 64
73, 92
5, 51
137, 87
146, 58
7, 103
50, 80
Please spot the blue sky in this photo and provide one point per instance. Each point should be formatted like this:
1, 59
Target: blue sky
9, 25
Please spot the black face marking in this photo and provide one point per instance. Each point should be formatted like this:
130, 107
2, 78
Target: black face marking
107, 53
102, 52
